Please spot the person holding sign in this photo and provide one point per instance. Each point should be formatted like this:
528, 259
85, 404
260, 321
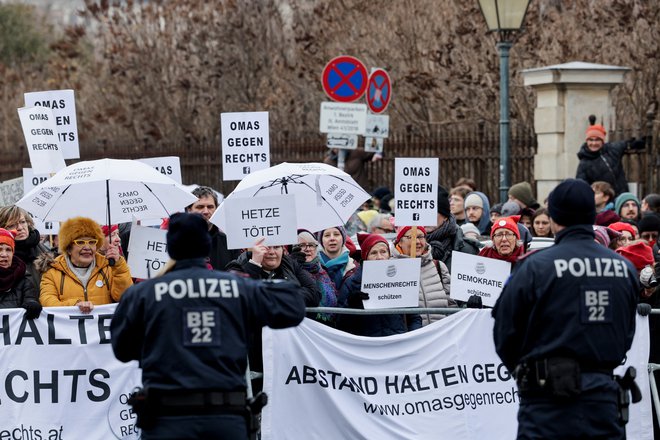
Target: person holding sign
29, 247
564, 321
435, 280
16, 288
372, 247
506, 244
81, 276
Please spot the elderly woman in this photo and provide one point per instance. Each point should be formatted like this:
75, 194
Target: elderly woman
111, 238
81, 276
335, 256
308, 246
16, 288
28, 241
372, 247
506, 244
435, 281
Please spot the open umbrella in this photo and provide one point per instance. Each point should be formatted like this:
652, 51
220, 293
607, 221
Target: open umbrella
325, 195
107, 191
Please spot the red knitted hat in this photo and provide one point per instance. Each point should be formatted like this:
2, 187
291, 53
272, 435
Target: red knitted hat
621, 226
597, 131
402, 231
639, 254
113, 228
367, 241
510, 223
7, 237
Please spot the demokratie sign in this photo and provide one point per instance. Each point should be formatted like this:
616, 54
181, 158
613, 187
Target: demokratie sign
441, 381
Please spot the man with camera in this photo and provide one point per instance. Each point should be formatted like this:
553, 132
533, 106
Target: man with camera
564, 321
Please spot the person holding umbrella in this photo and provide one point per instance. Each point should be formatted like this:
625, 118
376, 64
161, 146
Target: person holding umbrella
81, 276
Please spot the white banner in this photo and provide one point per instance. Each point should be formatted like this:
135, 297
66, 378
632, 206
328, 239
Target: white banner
391, 283
63, 105
167, 165
271, 217
147, 251
441, 381
60, 379
41, 140
245, 144
475, 275
416, 191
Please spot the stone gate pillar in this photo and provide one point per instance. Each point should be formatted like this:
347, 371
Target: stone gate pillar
566, 95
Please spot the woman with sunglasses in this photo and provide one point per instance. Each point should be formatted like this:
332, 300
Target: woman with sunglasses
81, 276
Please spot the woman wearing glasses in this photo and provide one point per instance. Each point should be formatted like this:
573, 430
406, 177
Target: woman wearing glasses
506, 240
81, 276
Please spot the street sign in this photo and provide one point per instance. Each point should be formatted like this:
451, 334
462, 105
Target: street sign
344, 79
379, 91
342, 141
373, 145
378, 126
343, 117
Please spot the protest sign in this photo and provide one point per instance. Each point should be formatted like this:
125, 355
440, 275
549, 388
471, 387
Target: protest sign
63, 105
147, 251
416, 191
391, 283
60, 379
31, 180
245, 144
271, 217
475, 275
444, 380
41, 139
11, 191
167, 165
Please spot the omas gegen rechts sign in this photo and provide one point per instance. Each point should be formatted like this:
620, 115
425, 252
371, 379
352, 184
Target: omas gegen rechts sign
245, 144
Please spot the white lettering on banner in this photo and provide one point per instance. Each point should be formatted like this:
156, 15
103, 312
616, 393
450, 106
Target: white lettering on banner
44, 399
591, 267
390, 388
199, 288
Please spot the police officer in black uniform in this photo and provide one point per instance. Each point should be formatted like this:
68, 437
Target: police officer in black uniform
564, 321
189, 330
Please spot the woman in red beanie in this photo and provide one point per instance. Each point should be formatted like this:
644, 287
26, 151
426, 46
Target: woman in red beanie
372, 247
506, 240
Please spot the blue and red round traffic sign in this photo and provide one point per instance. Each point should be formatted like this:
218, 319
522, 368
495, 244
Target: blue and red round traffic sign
379, 91
344, 79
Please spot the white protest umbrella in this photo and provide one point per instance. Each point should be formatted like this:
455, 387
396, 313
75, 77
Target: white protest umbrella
107, 191
325, 195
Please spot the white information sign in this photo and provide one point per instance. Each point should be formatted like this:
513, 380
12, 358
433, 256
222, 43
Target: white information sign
31, 180
373, 144
391, 283
245, 144
167, 165
63, 105
443, 381
342, 141
147, 251
41, 139
271, 217
416, 191
475, 275
342, 117
378, 126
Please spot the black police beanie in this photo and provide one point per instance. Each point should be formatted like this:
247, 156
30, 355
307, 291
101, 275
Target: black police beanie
443, 202
188, 237
650, 222
572, 203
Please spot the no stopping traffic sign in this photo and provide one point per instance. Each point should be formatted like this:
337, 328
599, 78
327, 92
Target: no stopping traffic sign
344, 79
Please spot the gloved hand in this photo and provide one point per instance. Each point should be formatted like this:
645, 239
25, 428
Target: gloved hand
637, 144
32, 309
298, 256
647, 277
643, 309
474, 302
355, 299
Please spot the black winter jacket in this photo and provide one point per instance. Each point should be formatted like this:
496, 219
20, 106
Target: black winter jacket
22, 293
604, 164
